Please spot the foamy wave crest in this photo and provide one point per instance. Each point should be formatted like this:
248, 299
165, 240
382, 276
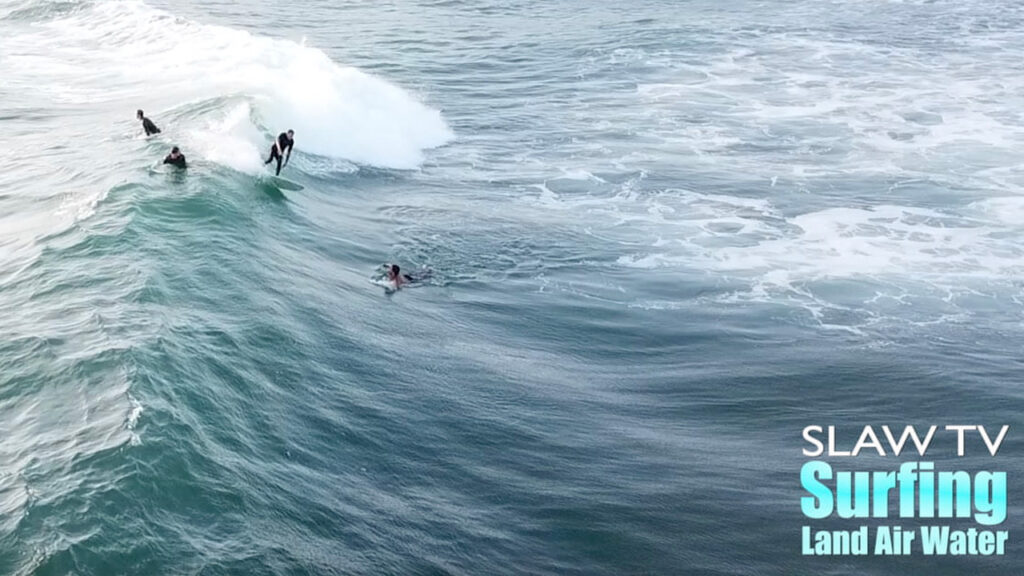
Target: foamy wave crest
138, 56
748, 237
346, 113
229, 141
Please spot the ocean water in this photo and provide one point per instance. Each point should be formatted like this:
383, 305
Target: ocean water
665, 236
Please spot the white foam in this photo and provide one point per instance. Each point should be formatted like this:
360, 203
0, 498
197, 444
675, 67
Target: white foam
831, 261
743, 237
132, 420
580, 175
1006, 210
229, 141
875, 107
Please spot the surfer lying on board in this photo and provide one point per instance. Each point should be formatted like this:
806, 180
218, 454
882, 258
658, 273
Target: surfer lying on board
175, 158
395, 275
285, 141
147, 124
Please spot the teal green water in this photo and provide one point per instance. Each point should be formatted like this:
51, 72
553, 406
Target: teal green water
664, 238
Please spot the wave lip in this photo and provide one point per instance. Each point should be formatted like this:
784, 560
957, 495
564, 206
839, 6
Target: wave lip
346, 113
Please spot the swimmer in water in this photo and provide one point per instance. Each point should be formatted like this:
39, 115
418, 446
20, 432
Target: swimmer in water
175, 158
147, 124
395, 275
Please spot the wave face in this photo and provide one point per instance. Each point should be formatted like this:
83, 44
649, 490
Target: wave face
667, 236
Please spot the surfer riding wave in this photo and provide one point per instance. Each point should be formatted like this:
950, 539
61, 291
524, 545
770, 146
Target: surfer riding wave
285, 142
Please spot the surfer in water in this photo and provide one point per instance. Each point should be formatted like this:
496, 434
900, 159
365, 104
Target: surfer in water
396, 275
147, 124
175, 158
285, 141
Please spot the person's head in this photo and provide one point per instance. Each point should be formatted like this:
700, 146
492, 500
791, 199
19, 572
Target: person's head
291, 133
139, 114
175, 151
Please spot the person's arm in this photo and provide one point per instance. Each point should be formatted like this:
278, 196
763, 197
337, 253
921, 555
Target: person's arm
167, 159
289, 156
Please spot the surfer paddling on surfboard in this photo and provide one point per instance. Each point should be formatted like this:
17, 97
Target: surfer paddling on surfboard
395, 275
285, 141
399, 278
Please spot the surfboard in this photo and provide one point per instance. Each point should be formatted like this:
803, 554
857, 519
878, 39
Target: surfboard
387, 285
284, 184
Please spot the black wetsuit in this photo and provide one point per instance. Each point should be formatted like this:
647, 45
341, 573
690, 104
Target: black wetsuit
149, 127
276, 152
179, 161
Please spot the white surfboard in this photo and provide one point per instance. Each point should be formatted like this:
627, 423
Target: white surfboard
283, 184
